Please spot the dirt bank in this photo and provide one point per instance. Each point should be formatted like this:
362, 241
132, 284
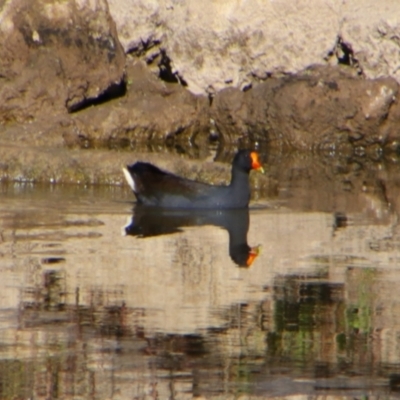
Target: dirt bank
68, 87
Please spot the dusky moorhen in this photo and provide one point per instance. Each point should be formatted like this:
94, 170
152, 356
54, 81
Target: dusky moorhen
154, 187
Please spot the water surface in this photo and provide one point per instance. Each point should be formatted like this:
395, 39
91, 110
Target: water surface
298, 296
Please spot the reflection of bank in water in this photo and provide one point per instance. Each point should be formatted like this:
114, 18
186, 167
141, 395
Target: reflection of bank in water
147, 222
305, 336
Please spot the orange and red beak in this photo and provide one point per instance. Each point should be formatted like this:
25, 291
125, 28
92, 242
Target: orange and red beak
253, 253
255, 163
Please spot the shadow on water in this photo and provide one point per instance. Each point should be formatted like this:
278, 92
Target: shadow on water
147, 222
88, 313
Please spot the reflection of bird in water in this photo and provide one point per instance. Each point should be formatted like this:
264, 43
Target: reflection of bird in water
146, 222
154, 187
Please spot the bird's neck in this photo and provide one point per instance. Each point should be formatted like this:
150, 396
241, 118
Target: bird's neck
239, 178
240, 187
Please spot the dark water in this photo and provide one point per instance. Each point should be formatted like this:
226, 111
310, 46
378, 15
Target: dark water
297, 298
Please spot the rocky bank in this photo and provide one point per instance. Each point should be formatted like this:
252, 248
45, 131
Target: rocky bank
88, 85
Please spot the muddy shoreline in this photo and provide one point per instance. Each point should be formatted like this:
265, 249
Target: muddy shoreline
90, 146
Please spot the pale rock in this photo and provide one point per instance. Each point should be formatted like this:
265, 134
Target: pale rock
372, 32
213, 45
137, 22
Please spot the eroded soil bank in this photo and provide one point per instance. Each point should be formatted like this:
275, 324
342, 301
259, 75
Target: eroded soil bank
75, 105
325, 111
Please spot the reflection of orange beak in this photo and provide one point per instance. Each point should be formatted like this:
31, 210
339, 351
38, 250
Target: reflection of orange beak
255, 163
254, 252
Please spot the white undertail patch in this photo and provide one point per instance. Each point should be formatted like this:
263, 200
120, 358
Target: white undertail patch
129, 179
129, 222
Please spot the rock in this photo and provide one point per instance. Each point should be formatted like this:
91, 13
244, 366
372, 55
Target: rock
139, 23
322, 107
151, 111
371, 34
55, 56
214, 45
